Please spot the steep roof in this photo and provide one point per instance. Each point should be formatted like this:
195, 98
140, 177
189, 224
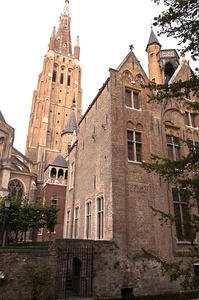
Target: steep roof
71, 125
60, 162
152, 39
2, 118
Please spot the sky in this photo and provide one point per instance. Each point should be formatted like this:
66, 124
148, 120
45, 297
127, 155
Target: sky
106, 28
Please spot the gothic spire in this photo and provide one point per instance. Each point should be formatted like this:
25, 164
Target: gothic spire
63, 36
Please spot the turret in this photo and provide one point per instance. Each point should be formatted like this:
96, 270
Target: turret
153, 48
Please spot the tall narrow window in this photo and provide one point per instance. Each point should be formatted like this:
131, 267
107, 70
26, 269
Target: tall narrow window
68, 81
88, 220
173, 147
68, 224
135, 100
100, 217
128, 101
72, 168
54, 76
76, 224
182, 217
62, 78
132, 99
189, 119
134, 145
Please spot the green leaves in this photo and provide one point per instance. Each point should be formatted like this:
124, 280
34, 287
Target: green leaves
181, 21
23, 216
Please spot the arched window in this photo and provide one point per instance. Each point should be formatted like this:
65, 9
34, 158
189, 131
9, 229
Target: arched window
60, 173
16, 188
53, 173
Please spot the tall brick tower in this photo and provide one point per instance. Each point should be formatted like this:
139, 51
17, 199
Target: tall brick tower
58, 93
153, 48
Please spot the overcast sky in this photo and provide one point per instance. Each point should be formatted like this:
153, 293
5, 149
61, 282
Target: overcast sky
106, 29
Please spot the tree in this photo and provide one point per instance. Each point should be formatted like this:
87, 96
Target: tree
23, 216
180, 20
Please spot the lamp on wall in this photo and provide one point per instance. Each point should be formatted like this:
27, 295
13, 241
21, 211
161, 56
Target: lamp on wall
7, 205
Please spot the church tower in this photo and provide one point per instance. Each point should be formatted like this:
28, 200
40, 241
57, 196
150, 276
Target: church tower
58, 94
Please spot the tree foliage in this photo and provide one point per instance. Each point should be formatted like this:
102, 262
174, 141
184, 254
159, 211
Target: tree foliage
181, 21
23, 216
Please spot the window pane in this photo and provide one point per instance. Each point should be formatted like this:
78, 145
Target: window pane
177, 153
128, 98
175, 195
169, 139
178, 222
138, 137
130, 135
130, 151
138, 152
170, 151
186, 118
135, 100
193, 121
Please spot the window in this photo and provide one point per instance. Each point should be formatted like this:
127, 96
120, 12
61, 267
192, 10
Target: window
68, 224
62, 78
68, 81
54, 76
54, 201
134, 145
132, 99
76, 225
182, 217
173, 147
100, 217
193, 145
88, 220
189, 119
16, 188
72, 168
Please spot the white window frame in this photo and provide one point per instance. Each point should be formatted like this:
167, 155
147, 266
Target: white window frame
100, 217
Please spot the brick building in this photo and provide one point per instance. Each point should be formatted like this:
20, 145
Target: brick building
90, 165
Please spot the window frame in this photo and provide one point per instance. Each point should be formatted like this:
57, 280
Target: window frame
181, 209
132, 99
173, 147
68, 223
189, 119
88, 219
100, 217
134, 145
76, 222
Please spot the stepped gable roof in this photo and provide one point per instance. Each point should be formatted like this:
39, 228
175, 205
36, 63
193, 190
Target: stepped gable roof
71, 125
60, 162
152, 39
2, 118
